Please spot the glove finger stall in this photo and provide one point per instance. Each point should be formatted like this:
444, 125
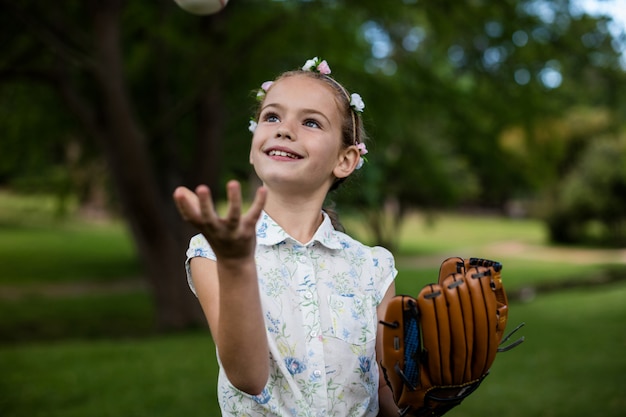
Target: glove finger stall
478, 282
436, 332
461, 318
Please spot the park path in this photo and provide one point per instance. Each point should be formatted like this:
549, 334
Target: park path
524, 251
546, 253
71, 289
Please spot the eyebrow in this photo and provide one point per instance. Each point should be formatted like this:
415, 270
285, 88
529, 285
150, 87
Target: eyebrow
305, 111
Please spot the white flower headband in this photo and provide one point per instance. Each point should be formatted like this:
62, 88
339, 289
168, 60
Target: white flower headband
356, 102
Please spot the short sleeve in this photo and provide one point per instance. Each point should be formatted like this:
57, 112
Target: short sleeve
385, 271
198, 247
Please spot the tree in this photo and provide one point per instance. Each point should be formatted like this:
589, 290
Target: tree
165, 97
459, 81
143, 83
88, 71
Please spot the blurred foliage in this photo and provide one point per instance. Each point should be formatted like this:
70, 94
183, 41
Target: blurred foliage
470, 103
590, 203
443, 85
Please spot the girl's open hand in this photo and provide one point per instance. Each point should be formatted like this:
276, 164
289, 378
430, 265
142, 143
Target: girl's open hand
230, 237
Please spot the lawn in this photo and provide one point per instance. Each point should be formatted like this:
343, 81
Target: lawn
570, 365
150, 377
38, 247
95, 354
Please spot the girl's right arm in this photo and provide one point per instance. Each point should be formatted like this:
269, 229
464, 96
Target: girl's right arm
229, 295
228, 288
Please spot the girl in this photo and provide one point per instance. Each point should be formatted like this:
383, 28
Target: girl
291, 302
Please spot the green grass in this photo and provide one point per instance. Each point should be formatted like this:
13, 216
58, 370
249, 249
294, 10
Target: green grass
87, 316
38, 246
28, 209
167, 376
571, 365
454, 232
66, 253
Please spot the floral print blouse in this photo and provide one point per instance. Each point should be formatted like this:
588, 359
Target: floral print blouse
319, 301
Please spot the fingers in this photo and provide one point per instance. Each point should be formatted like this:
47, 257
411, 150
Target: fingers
234, 217
233, 192
187, 203
198, 208
207, 210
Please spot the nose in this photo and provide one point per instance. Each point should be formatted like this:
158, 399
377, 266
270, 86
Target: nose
284, 132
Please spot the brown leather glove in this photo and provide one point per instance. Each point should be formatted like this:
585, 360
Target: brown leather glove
439, 346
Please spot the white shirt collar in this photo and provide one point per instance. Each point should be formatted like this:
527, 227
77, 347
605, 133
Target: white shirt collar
269, 233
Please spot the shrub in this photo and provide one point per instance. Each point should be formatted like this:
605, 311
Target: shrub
590, 203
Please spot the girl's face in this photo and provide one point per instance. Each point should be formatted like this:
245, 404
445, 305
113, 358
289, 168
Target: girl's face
297, 141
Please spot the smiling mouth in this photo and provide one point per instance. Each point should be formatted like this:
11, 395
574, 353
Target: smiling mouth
283, 154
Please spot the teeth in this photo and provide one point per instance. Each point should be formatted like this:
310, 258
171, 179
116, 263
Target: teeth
282, 153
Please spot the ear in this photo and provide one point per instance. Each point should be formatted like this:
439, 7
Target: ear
348, 161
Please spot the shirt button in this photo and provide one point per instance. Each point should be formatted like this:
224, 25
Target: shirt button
317, 373
313, 333
308, 295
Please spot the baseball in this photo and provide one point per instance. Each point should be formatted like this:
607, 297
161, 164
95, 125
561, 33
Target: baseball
202, 7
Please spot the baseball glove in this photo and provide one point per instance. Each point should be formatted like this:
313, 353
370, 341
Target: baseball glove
438, 347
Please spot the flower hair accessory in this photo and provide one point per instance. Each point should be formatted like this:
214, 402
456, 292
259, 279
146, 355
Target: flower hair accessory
356, 102
316, 65
321, 66
252, 125
260, 94
362, 151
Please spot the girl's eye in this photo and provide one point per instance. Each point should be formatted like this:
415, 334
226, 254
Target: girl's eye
311, 123
271, 117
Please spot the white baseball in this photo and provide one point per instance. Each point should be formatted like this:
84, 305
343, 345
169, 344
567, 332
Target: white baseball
202, 7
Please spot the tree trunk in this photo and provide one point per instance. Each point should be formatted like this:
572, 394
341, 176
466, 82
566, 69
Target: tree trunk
159, 236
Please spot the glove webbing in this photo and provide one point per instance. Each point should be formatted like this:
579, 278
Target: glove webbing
412, 346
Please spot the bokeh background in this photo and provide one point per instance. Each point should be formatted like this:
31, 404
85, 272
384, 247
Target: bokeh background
497, 129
